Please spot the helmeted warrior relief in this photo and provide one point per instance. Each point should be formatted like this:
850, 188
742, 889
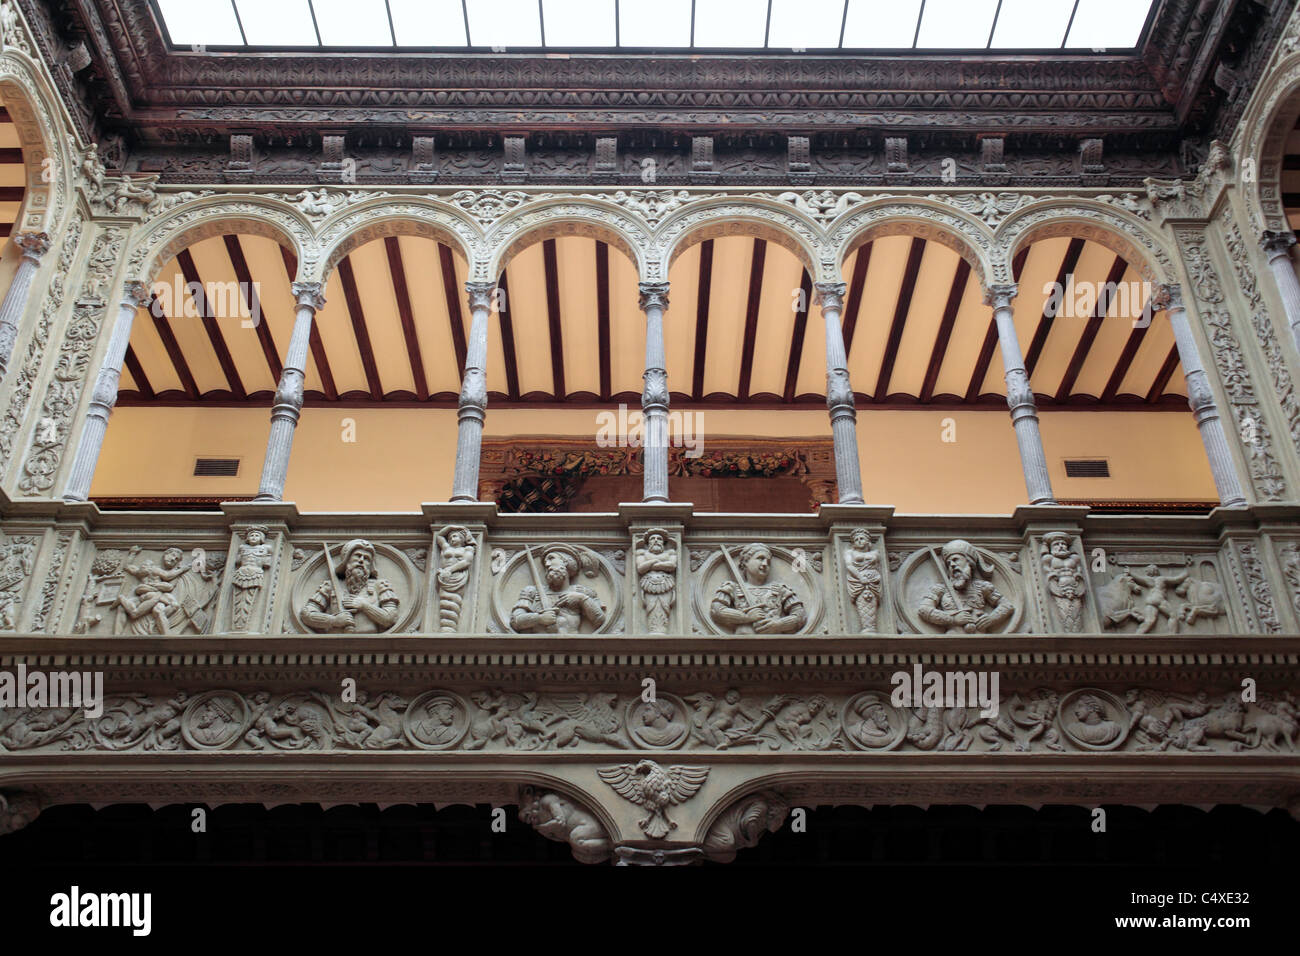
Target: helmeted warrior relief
656, 569
169, 598
964, 600
254, 558
17, 557
748, 604
743, 823
455, 558
1063, 570
365, 603
655, 788
555, 605
559, 818
862, 571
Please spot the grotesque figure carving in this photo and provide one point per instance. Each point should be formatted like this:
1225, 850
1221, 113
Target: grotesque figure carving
16, 560
965, 600
455, 556
559, 818
558, 606
742, 824
254, 559
749, 605
1063, 570
17, 810
656, 568
366, 603
862, 569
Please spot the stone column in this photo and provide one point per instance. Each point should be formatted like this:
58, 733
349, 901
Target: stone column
1200, 397
473, 394
1020, 398
1277, 246
654, 394
34, 245
103, 395
288, 396
839, 396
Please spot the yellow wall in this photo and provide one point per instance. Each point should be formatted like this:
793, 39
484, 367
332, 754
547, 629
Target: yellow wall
404, 456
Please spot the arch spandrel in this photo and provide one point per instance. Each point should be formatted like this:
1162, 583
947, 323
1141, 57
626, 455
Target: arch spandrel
758, 217
383, 216
925, 220
553, 217
187, 223
1121, 232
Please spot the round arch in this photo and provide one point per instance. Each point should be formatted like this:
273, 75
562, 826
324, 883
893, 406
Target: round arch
47, 159
380, 218
535, 222
713, 219
933, 222
1272, 119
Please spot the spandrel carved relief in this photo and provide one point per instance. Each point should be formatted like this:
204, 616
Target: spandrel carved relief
758, 589
959, 589
254, 558
155, 592
1062, 566
562, 819
1161, 593
656, 574
357, 587
17, 558
456, 549
557, 589
863, 577
743, 824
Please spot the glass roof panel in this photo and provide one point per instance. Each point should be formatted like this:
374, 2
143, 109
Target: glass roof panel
277, 22
1032, 24
957, 24
1107, 24
504, 23
880, 26
805, 24
665, 23
579, 23
730, 23
193, 24
429, 22
356, 23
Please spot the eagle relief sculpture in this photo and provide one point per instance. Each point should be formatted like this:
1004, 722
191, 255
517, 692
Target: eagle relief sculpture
656, 788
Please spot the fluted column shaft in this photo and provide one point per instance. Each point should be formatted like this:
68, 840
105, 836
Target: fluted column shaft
1020, 398
839, 396
103, 395
1201, 398
472, 408
288, 396
34, 245
1277, 247
654, 394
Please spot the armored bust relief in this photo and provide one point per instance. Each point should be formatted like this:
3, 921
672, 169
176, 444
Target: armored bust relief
363, 603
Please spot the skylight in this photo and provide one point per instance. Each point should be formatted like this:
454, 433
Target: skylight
774, 25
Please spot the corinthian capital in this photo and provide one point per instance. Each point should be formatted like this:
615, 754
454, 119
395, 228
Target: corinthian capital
1167, 297
1276, 243
309, 293
33, 244
480, 294
1000, 295
829, 295
135, 294
653, 294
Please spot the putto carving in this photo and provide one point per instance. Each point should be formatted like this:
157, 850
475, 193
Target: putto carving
17, 558
656, 569
1063, 573
455, 559
168, 597
364, 603
559, 818
748, 604
1143, 598
742, 824
863, 577
964, 599
253, 560
656, 788
553, 603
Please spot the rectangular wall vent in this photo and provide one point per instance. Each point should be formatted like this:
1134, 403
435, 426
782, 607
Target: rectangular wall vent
1087, 468
216, 467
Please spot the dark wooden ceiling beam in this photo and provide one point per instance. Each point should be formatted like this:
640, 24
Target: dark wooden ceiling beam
137, 374
1126, 357
797, 336
602, 320
753, 304
455, 318
703, 290
985, 358
359, 329
248, 289
173, 349
318, 354
224, 358
12, 193
397, 269
1163, 376
508, 340
553, 318
1069, 261
901, 308
1089, 336
956, 293
853, 304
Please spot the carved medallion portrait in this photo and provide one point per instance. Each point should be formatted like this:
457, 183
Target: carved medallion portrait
659, 724
214, 720
436, 720
871, 722
959, 588
356, 587
1094, 719
756, 588
557, 589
